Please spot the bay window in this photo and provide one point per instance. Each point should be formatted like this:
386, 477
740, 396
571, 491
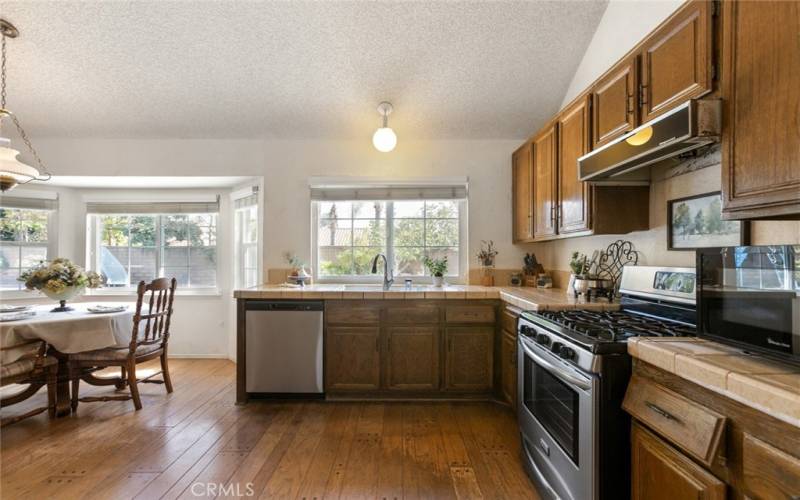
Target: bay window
131, 242
26, 236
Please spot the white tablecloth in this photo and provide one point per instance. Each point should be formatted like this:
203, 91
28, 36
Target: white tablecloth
71, 331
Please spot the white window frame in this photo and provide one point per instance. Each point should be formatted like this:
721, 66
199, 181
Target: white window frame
93, 257
52, 251
463, 258
240, 246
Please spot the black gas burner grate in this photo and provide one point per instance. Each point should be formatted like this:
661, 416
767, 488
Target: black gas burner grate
615, 325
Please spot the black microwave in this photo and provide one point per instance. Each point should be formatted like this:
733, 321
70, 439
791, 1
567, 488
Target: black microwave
749, 297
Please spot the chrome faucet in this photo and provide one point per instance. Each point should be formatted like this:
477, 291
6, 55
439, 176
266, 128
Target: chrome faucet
388, 279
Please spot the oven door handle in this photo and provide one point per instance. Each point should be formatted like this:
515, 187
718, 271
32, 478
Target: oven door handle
555, 370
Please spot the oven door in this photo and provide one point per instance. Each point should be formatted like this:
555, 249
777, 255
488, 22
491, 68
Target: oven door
557, 418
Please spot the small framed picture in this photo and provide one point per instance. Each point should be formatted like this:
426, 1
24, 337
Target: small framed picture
696, 222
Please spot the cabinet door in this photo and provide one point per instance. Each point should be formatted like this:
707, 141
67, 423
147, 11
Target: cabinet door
544, 184
658, 472
508, 364
614, 109
352, 358
677, 60
412, 357
522, 184
468, 363
761, 95
573, 142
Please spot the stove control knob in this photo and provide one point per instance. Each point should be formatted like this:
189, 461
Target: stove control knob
542, 339
526, 330
566, 353
556, 347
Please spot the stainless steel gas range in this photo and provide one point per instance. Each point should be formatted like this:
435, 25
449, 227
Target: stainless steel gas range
573, 372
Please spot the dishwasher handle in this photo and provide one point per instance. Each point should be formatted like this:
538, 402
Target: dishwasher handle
284, 305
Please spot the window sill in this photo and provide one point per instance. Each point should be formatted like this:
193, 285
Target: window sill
208, 292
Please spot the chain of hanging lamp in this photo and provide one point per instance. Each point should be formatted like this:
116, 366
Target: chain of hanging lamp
44, 174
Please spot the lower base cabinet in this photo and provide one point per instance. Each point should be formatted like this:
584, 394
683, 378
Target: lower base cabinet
412, 358
468, 362
659, 472
352, 360
508, 368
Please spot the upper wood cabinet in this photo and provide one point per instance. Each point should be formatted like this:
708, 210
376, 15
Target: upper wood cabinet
412, 358
658, 472
676, 60
761, 98
614, 102
544, 183
522, 193
573, 142
352, 358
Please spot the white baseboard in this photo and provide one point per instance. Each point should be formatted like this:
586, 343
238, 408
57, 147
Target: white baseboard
198, 356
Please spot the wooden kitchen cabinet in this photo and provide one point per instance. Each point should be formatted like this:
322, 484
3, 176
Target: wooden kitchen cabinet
352, 358
468, 361
574, 141
768, 472
614, 102
676, 60
544, 182
761, 99
522, 193
412, 358
508, 368
659, 472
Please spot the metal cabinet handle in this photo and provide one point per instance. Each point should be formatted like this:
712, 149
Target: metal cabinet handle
662, 412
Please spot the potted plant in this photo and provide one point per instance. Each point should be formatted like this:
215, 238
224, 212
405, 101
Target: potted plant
486, 256
437, 268
60, 280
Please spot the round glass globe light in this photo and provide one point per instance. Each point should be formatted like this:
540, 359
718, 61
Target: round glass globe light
384, 139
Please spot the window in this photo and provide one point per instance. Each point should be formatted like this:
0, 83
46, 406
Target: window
129, 248
24, 242
350, 233
246, 243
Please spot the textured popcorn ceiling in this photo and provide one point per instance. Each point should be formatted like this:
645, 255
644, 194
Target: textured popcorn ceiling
291, 70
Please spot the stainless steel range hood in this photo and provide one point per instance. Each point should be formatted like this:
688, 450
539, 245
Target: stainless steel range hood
689, 126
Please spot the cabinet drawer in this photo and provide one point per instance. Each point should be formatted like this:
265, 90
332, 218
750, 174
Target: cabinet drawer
508, 321
769, 472
689, 426
469, 314
350, 313
412, 314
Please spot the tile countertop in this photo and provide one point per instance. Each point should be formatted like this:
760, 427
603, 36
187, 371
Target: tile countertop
765, 385
524, 298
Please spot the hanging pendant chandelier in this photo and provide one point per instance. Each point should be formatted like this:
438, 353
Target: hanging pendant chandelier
384, 139
13, 171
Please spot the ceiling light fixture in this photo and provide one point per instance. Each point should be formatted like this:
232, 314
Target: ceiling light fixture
384, 139
13, 171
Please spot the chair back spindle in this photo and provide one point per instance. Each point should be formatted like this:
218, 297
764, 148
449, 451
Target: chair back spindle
152, 326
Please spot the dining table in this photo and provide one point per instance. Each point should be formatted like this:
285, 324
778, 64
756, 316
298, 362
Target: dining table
81, 329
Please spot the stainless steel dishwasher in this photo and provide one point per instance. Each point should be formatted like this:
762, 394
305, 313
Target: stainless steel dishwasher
283, 343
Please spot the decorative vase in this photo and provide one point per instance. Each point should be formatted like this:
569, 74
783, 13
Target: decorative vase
438, 281
487, 279
571, 284
63, 296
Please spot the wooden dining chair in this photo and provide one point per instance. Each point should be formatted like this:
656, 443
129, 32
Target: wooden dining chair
149, 340
33, 368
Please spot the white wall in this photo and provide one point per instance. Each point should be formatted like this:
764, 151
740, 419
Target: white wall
623, 25
287, 165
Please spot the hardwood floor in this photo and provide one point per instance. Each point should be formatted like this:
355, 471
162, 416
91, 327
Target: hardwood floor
197, 443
